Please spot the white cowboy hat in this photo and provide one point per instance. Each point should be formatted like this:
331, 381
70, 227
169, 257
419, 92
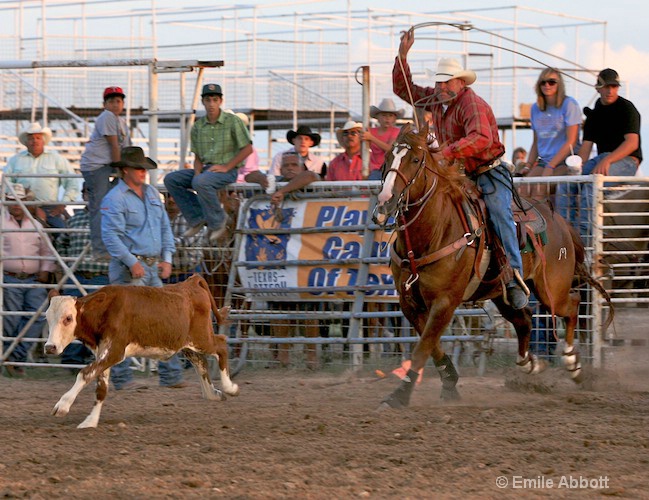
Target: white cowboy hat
386, 106
448, 69
35, 128
347, 126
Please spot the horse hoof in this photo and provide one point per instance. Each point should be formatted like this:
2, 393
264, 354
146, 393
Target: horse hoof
383, 406
450, 395
393, 402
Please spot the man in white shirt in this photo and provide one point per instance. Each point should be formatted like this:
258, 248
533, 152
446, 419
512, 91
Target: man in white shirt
302, 140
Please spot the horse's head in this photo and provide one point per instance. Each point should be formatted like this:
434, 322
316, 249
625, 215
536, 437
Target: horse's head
402, 168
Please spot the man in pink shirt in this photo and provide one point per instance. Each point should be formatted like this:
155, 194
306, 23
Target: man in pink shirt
17, 248
348, 166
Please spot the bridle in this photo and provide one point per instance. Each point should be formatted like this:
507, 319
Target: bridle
404, 204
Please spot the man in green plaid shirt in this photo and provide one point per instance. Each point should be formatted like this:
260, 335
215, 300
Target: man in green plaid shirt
220, 143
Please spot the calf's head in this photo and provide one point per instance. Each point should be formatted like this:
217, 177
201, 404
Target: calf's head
62, 320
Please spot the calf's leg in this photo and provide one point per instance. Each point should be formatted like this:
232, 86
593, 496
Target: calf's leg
199, 361
92, 419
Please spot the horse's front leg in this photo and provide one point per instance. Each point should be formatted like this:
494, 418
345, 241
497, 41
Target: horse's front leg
430, 329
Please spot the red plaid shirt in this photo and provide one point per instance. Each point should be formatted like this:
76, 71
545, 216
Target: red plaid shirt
467, 131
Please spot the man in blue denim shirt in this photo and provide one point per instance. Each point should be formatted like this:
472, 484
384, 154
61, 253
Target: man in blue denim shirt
136, 231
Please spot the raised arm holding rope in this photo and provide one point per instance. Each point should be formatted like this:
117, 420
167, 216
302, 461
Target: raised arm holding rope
466, 128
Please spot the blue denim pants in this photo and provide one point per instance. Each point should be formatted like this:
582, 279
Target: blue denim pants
98, 184
21, 299
170, 371
495, 186
203, 205
624, 167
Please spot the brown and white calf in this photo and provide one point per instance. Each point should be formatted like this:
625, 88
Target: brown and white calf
121, 321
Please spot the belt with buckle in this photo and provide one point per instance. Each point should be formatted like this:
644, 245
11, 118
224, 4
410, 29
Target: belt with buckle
485, 168
20, 276
149, 261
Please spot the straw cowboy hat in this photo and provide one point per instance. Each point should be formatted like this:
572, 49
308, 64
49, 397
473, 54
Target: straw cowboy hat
19, 193
448, 69
242, 116
35, 128
386, 106
133, 156
347, 126
303, 130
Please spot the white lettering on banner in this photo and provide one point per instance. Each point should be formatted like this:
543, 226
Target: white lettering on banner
326, 246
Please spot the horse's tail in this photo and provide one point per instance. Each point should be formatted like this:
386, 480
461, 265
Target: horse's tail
583, 274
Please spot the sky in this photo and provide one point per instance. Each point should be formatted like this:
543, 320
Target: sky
626, 49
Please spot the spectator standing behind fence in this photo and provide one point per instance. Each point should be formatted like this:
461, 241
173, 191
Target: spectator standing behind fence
137, 234
519, 160
614, 127
221, 144
20, 268
108, 138
555, 119
188, 258
88, 272
467, 131
382, 138
252, 161
302, 139
348, 165
292, 172
36, 160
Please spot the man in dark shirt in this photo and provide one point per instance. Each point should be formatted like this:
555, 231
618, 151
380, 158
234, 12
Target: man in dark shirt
614, 127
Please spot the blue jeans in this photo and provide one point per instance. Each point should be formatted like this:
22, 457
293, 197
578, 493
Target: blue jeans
77, 353
624, 167
170, 371
375, 175
204, 205
22, 299
498, 198
98, 184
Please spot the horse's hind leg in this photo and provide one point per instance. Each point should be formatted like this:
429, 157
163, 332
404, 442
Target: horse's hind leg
570, 355
526, 361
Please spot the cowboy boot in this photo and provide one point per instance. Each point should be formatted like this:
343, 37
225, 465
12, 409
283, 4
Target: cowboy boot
516, 297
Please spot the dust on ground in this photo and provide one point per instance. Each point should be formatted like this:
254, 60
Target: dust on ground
295, 434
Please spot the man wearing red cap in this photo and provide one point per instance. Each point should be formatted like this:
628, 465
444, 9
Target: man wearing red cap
106, 141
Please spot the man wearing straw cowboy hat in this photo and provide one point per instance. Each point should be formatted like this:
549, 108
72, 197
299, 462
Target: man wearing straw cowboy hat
467, 131
36, 160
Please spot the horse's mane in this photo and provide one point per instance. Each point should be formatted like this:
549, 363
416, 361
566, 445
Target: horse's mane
450, 180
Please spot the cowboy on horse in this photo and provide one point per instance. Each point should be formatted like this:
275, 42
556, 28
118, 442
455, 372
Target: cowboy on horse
467, 132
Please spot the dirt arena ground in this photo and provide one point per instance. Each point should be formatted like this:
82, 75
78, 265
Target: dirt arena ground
293, 434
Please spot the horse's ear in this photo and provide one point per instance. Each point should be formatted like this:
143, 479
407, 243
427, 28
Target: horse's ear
423, 129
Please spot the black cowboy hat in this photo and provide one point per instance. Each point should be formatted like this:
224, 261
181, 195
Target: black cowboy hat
133, 156
303, 130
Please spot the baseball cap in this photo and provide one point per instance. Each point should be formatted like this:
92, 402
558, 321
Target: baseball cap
111, 91
211, 89
606, 77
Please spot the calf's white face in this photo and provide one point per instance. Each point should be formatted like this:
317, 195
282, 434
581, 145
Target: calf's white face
61, 320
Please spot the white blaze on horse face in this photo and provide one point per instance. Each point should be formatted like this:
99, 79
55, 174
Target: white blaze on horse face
62, 320
386, 192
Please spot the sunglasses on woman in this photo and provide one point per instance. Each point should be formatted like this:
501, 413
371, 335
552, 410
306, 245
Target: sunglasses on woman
551, 82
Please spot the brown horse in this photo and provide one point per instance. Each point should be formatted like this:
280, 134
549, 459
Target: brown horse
433, 262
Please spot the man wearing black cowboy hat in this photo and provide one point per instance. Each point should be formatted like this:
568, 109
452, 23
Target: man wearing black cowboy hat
302, 139
137, 234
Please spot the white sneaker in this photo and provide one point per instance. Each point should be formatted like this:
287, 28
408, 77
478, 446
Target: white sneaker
215, 234
194, 230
